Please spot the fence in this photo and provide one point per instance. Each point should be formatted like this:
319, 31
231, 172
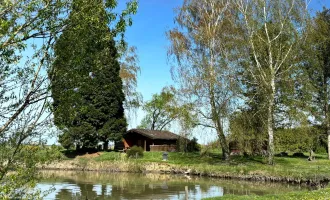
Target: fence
164, 147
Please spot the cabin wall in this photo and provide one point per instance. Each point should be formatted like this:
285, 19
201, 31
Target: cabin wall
162, 142
144, 142
138, 140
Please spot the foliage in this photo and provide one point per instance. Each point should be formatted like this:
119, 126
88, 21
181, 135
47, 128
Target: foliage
247, 131
275, 32
135, 152
186, 145
28, 30
161, 110
300, 139
22, 178
65, 140
203, 49
86, 78
129, 70
318, 67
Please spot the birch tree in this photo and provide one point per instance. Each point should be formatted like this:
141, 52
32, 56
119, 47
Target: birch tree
203, 48
28, 30
129, 71
274, 31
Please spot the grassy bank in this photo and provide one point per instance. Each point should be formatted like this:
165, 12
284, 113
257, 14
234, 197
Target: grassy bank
322, 194
288, 169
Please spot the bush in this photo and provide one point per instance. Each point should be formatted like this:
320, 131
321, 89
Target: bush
186, 145
320, 149
193, 146
135, 152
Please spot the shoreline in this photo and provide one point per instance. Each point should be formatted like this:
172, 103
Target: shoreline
134, 166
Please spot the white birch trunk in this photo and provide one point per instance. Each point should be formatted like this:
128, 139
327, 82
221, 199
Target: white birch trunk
270, 117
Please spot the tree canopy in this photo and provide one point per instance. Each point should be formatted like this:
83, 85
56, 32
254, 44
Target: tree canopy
86, 87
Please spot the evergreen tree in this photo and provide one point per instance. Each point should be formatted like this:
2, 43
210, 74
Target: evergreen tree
86, 87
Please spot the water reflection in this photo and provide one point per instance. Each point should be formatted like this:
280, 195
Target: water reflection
93, 185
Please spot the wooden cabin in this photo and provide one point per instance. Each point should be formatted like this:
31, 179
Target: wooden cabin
150, 140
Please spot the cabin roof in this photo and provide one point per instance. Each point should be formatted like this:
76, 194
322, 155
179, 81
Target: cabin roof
154, 134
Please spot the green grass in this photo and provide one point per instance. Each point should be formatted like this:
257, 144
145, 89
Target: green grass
322, 194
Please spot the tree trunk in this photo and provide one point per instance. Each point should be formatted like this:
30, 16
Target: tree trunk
327, 125
223, 140
328, 132
217, 121
270, 129
222, 137
224, 146
105, 145
326, 117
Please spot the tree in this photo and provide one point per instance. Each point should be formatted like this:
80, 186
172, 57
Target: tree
129, 70
247, 131
86, 87
161, 110
287, 140
319, 68
267, 24
27, 33
205, 61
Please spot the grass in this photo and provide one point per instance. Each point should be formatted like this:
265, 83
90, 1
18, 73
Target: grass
286, 168
305, 195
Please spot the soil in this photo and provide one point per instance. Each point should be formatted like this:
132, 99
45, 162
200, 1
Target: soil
90, 155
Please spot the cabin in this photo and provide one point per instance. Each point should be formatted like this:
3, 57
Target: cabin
150, 140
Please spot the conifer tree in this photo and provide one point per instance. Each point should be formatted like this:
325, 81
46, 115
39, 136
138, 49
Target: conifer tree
86, 88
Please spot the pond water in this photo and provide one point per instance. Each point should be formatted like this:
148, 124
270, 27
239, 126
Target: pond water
95, 185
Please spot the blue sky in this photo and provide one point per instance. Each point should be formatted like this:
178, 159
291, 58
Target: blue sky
153, 19
148, 34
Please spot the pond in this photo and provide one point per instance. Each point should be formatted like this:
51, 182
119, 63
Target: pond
97, 185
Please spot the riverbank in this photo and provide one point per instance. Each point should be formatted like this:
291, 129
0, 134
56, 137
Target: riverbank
93, 185
287, 169
322, 194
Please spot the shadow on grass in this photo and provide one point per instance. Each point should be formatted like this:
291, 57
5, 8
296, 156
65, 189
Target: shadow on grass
71, 154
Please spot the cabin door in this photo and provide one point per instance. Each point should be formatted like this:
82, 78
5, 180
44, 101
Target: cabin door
143, 144
139, 143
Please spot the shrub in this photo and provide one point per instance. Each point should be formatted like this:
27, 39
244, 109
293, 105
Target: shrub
193, 146
135, 152
320, 149
186, 145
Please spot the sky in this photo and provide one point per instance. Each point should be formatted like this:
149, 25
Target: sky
148, 34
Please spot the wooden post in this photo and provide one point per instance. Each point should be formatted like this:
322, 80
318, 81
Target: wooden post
145, 145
